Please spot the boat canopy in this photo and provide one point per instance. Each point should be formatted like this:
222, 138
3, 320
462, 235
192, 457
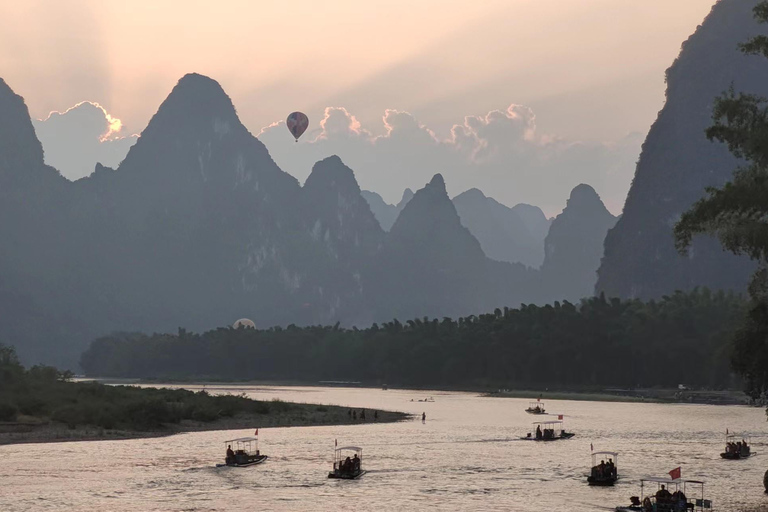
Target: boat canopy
553, 422
606, 453
242, 440
351, 448
663, 480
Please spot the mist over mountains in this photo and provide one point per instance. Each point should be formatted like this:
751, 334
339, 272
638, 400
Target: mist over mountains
198, 226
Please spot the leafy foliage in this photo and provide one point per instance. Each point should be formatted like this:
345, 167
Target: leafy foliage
680, 338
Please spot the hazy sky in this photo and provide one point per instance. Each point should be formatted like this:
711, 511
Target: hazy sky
590, 71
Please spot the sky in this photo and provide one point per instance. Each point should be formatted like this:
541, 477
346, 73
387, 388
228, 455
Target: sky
501, 95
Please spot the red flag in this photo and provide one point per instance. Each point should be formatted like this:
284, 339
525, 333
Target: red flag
257, 432
675, 473
538, 399
560, 416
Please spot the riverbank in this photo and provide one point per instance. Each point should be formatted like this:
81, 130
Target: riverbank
640, 395
707, 397
286, 414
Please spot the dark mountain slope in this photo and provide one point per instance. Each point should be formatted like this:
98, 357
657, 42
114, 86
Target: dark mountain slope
678, 162
432, 265
574, 246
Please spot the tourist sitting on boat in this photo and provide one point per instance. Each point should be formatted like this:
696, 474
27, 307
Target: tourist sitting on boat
230, 455
355, 463
538, 432
680, 500
663, 495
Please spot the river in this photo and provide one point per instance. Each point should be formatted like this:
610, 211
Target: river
467, 456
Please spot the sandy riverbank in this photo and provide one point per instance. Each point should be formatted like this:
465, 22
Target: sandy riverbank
31, 430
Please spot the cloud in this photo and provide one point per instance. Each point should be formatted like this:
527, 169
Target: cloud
74, 140
338, 123
500, 152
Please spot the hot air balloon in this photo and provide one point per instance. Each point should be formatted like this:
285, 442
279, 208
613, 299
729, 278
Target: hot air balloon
297, 123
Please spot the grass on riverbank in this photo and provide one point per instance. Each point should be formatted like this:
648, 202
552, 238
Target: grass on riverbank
30, 429
42, 403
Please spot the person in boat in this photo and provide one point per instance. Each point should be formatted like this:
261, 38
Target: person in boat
663, 495
354, 415
355, 463
375, 415
362, 414
423, 417
538, 432
681, 499
230, 455
348, 465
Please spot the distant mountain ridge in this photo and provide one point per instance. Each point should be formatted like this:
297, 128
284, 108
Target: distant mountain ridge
198, 226
386, 213
677, 164
514, 235
574, 245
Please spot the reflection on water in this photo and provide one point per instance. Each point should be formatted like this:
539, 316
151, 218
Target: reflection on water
467, 456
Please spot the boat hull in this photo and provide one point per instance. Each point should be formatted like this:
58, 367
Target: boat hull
346, 476
534, 411
735, 456
567, 435
253, 462
601, 482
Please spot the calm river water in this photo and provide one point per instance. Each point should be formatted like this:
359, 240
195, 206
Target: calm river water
466, 457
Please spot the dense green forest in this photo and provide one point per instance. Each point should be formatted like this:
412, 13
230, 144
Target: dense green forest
683, 338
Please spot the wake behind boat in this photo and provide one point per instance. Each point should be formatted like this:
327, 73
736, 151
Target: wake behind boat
245, 452
551, 431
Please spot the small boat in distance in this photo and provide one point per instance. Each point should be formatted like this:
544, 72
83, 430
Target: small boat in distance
346, 467
663, 500
245, 452
737, 447
605, 473
551, 431
536, 407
